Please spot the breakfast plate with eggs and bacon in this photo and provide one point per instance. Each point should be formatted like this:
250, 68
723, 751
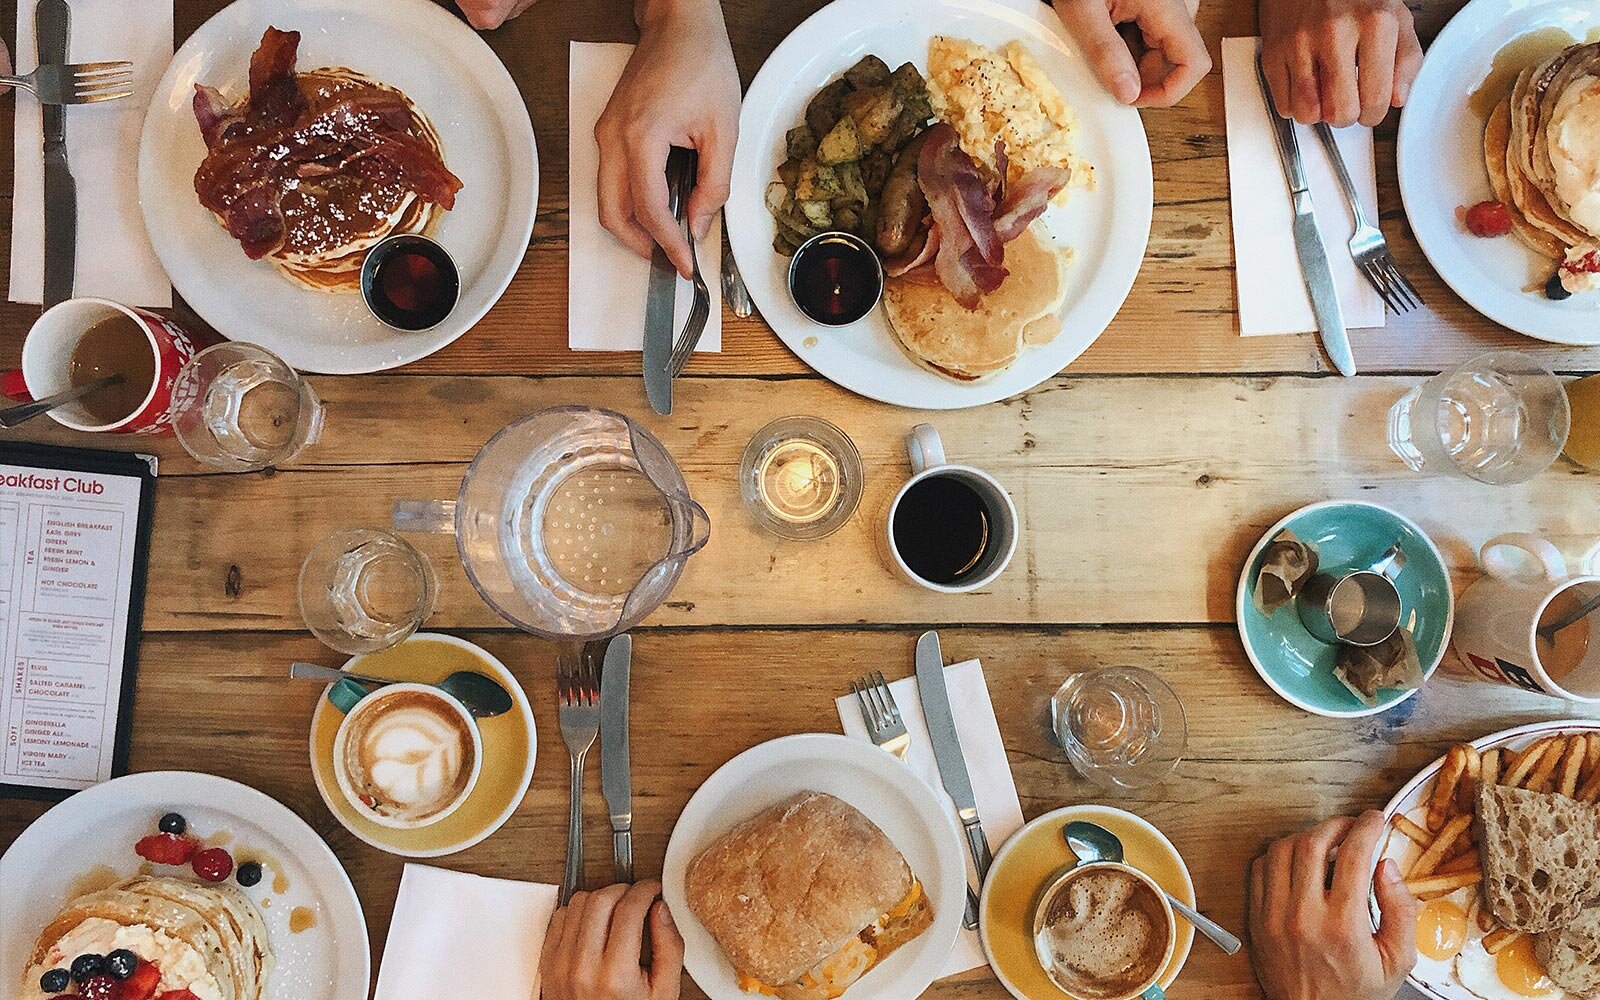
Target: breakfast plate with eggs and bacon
1001, 195
1500, 841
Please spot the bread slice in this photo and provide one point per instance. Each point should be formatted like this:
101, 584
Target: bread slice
1541, 856
1571, 955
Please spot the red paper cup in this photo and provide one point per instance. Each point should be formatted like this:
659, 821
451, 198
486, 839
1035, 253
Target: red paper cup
47, 353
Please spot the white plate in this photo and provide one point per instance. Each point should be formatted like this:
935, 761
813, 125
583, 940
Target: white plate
451, 75
871, 780
1414, 795
1107, 227
98, 827
1441, 169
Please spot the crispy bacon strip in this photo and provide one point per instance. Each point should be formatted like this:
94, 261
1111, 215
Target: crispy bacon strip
970, 252
275, 95
1027, 200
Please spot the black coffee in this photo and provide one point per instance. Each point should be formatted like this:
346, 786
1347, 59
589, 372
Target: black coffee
942, 529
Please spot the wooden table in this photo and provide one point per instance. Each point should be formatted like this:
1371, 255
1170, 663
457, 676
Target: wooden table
1143, 477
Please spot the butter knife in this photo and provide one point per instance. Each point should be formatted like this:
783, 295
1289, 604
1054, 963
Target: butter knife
947, 753
51, 26
1308, 239
660, 300
616, 778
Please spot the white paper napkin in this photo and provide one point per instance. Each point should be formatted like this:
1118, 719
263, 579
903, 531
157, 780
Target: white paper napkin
460, 935
115, 260
606, 281
1272, 292
992, 784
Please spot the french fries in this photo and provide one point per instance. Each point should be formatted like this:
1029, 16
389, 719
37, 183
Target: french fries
1444, 787
1519, 770
1572, 763
1499, 940
1470, 861
1418, 835
1467, 787
1434, 886
1490, 768
1435, 855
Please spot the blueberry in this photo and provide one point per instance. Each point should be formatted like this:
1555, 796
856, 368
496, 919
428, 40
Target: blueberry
1555, 290
173, 823
249, 873
121, 963
55, 980
87, 967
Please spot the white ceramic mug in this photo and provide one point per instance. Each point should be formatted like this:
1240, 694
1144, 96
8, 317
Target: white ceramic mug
1147, 990
1497, 617
927, 461
374, 700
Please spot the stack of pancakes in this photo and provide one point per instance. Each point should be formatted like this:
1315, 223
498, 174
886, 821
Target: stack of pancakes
969, 344
1542, 150
179, 922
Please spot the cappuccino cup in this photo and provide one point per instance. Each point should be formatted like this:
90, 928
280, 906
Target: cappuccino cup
407, 755
1105, 931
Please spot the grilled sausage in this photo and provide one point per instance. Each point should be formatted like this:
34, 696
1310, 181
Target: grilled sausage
902, 204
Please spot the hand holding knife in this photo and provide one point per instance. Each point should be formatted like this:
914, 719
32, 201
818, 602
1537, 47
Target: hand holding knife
947, 754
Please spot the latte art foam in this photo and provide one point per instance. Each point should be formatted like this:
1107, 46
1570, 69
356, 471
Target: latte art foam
1105, 935
410, 754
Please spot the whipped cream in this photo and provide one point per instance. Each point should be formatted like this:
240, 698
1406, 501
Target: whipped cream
182, 968
1580, 269
1574, 146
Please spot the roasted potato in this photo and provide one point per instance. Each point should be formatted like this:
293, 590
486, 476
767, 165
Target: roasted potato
841, 145
800, 142
818, 213
822, 114
874, 110
817, 183
869, 72
851, 191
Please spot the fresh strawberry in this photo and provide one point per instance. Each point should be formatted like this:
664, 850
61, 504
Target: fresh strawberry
1488, 219
142, 984
213, 864
165, 849
177, 995
101, 988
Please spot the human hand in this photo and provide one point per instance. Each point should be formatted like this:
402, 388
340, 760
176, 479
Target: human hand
1155, 74
591, 951
1338, 61
680, 88
1313, 940
492, 13
5, 63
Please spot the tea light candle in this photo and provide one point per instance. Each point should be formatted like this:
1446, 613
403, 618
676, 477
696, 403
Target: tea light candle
801, 477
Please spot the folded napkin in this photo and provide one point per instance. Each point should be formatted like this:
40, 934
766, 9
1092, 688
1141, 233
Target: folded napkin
1272, 292
115, 260
996, 792
606, 281
460, 935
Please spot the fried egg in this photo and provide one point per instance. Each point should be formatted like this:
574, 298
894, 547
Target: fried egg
1514, 974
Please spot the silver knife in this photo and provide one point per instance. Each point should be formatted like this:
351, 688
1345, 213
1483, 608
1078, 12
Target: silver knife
1308, 241
616, 778
947, 748
660, 299
51, 26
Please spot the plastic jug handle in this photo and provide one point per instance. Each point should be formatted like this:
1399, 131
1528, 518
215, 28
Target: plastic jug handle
424, 515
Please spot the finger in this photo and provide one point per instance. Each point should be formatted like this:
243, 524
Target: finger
615, 198
1089, 22
484, 17
1279, 871
1305, 101
712, 183
1169, 30
1340, 93
627, 925
1311, 850
1408, 58
5, 63
591, 938
666, 954
1397, 926
1258, 889
1375, 56
1352, 870
647, 181
1278, 82
567, 957
549, 953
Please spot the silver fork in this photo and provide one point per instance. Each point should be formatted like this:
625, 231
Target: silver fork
1367, 245
76, 83
700, 308
578, 690
888, 732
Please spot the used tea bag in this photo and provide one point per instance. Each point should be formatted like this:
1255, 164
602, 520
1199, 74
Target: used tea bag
1392, 663
1286, 565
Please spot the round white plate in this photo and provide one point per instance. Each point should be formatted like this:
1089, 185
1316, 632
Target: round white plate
453, 77
874, 782
1441, 168
1106, 227
1414, 795
98, 828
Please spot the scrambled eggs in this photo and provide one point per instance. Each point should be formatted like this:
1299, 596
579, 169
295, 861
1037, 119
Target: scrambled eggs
1004, 96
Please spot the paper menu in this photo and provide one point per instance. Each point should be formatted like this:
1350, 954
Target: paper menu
68, 541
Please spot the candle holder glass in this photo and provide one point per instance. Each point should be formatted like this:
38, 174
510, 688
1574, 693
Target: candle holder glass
801, 478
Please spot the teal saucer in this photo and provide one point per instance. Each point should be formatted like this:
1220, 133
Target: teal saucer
1346, 535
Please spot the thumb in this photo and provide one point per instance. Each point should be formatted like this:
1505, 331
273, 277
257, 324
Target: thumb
1089, 21
1397, 928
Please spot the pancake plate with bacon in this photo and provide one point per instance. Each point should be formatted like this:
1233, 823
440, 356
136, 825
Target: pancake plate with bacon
310, 169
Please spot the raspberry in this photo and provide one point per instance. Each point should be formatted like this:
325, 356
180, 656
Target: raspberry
101, 988
142, 984
213, 864
165, 849
1488, 219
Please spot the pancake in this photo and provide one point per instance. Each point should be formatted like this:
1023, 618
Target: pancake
1567, 157
968, 344
1496, 146
232, 915
1521, 171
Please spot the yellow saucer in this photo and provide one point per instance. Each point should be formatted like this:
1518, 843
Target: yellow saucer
1032, 858
508, 749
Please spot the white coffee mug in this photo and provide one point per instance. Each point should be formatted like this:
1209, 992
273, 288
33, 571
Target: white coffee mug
375, 700
1498, 615
927, 461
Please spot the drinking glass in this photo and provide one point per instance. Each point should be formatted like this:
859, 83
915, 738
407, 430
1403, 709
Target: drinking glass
363, 590
801, 478
1122, 727
1501, 418
240, 408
